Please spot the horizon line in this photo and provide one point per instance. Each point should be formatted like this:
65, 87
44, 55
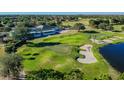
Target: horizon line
61, 13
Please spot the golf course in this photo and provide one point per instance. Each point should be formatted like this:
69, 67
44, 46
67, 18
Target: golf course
71, 53
59, 52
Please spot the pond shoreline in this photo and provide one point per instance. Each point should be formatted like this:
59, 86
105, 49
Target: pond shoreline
112, 71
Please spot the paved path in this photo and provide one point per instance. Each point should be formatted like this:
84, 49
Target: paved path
64, 31
89, 57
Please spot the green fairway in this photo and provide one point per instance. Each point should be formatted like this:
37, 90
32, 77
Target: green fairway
118, 27
59, 52
1, 50
60, 47
84, 21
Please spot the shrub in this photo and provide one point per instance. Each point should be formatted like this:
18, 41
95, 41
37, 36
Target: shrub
35, 54
79, 26
45, 74
121, 77
27, 54
11, 47
31, 58
50, 74
75, 74
103, 77
122, 28
11, 66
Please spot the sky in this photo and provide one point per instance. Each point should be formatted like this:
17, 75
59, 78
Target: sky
61, 13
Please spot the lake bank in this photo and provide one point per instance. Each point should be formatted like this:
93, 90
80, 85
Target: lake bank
113, 53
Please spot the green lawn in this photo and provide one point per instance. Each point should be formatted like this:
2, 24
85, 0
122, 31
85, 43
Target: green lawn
1, 51
71, 23
59, 52
118, 27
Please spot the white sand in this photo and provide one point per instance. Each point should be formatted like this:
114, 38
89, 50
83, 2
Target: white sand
106, 41
89, 57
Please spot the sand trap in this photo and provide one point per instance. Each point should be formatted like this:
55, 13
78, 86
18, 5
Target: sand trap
89, 57
106, 41
98, 41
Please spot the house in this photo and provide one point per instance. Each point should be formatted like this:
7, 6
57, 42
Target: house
3, 37
39, 31
43, 30
36, 34
50, 30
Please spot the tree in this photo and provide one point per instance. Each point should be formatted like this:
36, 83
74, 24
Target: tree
103, 77
1, 25
10, 24
121, 77
109, 27
45, 74
79, 26
20, 32
11, 66
102, 26
7, 29
122, 28
115, 20
95, 22
99, 23
75, 74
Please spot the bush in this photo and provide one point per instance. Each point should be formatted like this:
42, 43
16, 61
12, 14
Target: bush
79, 26
11, 66
45, 74
91, 31
11, 47
81, 56
50, 74
102, 26
75, 74
35, 54
103, 77
122, 28
121, 77
109, 27
116, 31
31, 58
27, 54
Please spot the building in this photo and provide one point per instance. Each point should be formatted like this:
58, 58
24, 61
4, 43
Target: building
3, 37
39, 31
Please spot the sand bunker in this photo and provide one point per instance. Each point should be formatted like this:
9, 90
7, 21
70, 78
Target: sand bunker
86, 51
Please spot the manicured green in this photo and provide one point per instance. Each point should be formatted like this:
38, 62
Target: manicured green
59, 52
61, 56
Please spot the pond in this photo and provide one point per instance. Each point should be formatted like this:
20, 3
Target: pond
114, 54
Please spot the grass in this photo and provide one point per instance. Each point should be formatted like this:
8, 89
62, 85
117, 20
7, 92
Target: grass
59, 52
55, 56
50, 57
62, 56
118, 27
72, 23
1, 51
